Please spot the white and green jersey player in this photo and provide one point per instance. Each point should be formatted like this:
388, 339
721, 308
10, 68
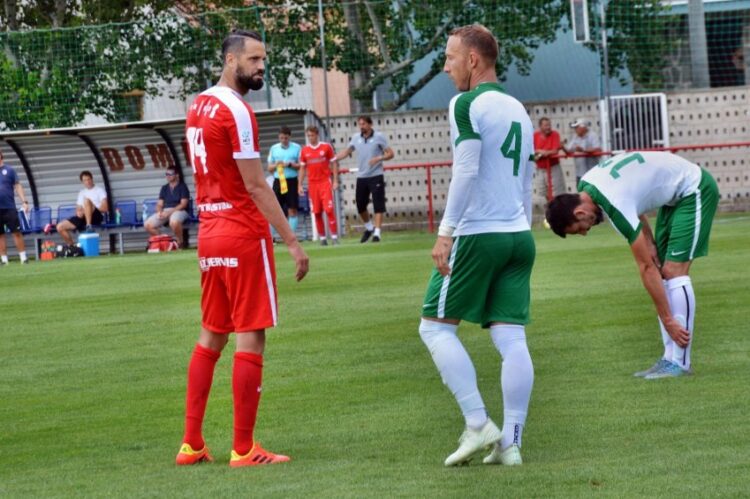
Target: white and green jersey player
627, 187
488, 212
630, 185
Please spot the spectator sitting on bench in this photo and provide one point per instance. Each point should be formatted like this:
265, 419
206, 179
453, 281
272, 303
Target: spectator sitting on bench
91, 206
171, 207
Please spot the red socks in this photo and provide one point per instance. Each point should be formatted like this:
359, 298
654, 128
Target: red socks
320, 224
247, 376
332, 223
200, 376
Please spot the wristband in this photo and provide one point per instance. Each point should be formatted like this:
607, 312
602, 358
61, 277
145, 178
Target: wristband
445, 231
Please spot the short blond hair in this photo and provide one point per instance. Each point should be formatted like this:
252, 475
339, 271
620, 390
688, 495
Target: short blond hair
479, 38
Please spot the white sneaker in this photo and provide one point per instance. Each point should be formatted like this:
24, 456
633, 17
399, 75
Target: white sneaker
509, 457
473, 441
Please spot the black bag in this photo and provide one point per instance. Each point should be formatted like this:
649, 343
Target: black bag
69, 251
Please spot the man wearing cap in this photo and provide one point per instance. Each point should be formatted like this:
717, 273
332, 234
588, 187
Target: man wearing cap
583, 142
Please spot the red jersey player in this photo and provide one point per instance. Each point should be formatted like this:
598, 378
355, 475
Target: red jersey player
316, 158
235, 252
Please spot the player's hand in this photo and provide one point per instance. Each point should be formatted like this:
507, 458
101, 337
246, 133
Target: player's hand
301, 260
300, 190
654, 256
441, 253
374, 161
335, 185
679, 334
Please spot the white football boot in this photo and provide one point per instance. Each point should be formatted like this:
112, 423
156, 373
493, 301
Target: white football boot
474, 441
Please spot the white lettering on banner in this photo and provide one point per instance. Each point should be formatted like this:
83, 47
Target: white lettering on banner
215, 206
207, 263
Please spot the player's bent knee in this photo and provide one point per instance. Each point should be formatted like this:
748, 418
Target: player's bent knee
433, 332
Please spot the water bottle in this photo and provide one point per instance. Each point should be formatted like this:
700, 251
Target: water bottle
145, 212
118, 216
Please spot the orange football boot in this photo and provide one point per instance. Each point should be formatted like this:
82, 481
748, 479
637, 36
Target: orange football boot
188, 456
257, 456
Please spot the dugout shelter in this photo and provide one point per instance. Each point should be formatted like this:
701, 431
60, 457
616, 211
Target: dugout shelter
128, 160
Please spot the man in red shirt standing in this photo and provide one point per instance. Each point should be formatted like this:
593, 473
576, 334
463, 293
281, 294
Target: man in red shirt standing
316, 158
235, 251
549, 180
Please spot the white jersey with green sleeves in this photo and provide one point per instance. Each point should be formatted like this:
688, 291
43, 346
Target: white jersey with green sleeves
631, 184
503, 126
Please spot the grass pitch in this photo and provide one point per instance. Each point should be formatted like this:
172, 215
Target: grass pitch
94, 355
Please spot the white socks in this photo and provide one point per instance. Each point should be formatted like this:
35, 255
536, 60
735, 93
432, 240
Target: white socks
682, 303
369, 226
516, 380
456, 369
376, 232
21, 255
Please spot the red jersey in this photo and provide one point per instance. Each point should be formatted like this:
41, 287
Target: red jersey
545, 143
221, 128
317, 160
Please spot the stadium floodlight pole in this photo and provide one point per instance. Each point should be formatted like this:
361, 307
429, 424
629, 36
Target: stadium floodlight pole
605, 57
321, 26
324, 63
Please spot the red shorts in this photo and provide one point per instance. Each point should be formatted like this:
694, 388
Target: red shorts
238, 284
321, 197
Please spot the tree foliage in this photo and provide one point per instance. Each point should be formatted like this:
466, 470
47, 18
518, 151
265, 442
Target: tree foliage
639, 39
55, 77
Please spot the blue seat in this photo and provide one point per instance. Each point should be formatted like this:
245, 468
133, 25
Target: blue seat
23, 222
65, 211
40, 218
128, 214
150, 206
190, 209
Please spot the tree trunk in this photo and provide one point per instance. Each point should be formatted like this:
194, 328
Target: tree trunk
11, 10
355, 28
58, 18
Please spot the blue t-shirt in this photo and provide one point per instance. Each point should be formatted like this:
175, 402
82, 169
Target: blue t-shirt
172, 197
8, 180
285, 155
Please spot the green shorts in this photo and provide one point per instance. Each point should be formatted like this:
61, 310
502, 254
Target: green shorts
682, 230
489, 280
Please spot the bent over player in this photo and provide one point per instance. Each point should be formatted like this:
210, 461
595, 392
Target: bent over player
316, 158
628, 186
484, 251
235, 251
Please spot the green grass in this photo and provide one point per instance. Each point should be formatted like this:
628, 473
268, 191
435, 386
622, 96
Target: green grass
94, 355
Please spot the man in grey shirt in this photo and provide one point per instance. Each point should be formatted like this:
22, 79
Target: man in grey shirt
584, 141
372, 149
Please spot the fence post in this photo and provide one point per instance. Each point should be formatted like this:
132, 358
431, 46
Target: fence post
430, 216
